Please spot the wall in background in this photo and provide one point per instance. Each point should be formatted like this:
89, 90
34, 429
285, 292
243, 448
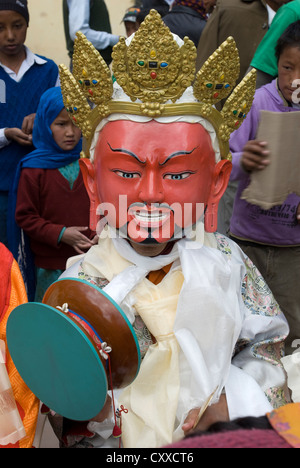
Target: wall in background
46, 34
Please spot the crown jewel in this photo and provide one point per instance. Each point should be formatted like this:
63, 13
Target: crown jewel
154, 71
153, 68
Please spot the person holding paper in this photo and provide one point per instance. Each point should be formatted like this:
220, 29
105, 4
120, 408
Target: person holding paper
271, 238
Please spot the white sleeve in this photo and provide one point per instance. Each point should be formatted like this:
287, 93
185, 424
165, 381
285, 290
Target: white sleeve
3, 140
79, 20
244, 395
257, 368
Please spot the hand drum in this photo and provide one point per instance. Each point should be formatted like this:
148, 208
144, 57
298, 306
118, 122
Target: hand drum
72, 348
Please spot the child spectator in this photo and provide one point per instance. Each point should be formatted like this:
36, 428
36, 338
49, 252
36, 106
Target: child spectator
52, 205
247, 21
270, 241
24, 77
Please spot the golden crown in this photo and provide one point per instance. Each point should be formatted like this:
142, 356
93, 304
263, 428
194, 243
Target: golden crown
154, 71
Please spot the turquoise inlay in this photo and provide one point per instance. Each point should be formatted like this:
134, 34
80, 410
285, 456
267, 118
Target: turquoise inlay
71, 172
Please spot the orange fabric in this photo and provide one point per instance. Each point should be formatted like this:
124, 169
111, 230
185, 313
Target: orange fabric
27, 403
157, 276
286, 422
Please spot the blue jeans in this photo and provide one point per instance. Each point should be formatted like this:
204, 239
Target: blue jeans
3, 217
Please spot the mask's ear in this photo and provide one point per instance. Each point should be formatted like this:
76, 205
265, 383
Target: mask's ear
89, 178
220, 182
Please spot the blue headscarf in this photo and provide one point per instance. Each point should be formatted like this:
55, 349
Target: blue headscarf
47, 155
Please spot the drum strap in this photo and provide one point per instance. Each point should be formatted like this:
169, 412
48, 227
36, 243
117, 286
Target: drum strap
104, 351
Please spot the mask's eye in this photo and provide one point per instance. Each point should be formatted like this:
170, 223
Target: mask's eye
180, 176
127, 175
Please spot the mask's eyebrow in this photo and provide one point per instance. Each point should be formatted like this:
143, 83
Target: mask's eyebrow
178, 153
130, 153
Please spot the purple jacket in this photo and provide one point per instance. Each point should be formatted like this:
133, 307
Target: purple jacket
277, 226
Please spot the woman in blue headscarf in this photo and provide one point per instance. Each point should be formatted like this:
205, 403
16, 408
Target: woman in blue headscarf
49, 199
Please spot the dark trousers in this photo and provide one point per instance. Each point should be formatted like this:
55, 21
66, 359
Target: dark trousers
280, 267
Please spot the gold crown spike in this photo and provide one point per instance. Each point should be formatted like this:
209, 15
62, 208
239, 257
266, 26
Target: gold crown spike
238, 105
154, 68
75, 101
91, 72
217, 77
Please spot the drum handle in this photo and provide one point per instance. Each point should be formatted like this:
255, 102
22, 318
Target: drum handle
104, 351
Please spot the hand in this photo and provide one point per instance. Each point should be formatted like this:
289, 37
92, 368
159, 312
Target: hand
19, 136
214, 413
254, 157
95, 240
27, 126
73, 236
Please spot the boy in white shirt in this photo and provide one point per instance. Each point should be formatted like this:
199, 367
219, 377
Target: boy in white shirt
24, 77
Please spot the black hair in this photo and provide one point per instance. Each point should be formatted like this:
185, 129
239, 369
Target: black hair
290, 38
249, 422
147, 5
245, 423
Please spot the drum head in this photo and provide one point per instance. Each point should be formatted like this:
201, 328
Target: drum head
107, 318
57, 361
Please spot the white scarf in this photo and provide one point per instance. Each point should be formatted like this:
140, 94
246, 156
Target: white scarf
210, 306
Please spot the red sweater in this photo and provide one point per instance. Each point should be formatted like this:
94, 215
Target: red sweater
45, 205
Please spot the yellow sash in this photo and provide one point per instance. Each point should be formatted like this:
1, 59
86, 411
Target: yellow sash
152, 399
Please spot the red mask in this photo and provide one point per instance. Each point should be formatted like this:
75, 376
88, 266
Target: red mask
154, 180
